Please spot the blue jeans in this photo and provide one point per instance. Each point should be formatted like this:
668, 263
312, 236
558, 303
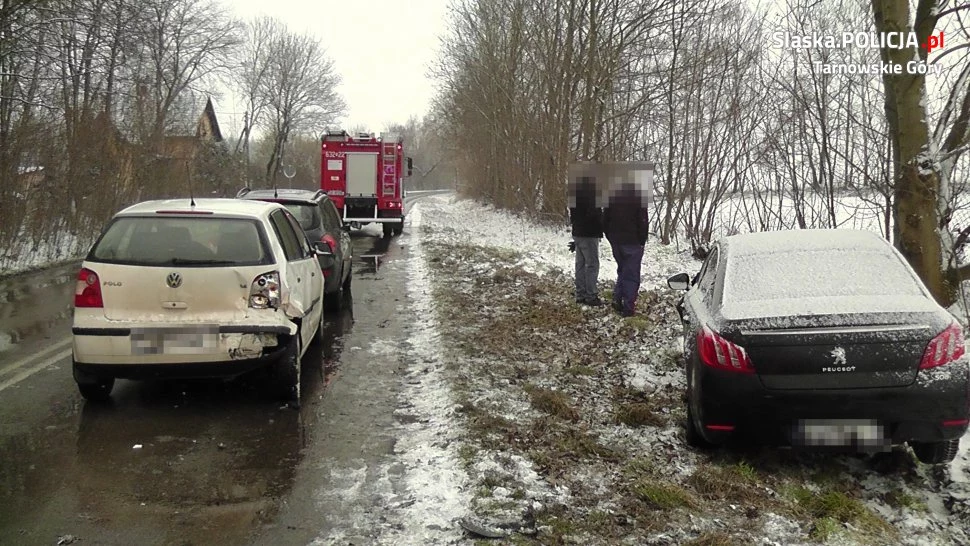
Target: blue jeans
628, 258
587, 267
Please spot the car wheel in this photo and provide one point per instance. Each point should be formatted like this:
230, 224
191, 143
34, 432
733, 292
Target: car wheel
399, 228
936, 452
93, 388
97, 392
694, 436
332, 300
318, 337
287, 372
350, 277
388, 229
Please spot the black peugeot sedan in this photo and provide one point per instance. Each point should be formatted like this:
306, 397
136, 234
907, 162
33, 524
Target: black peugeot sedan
320, 221
823, 339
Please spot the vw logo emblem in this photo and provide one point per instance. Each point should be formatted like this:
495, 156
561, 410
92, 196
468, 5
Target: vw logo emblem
173, 280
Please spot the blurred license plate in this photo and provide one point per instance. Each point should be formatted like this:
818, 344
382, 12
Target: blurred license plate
839, 432
188, 340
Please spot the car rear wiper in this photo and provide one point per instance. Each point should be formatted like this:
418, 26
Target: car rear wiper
189, 261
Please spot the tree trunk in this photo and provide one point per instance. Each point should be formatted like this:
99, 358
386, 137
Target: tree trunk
917, 188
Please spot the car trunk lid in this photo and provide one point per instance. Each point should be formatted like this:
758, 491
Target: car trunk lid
184, 294
841, 351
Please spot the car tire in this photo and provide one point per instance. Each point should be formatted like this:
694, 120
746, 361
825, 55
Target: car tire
936, 452
388, 229
93, 388
321, 327
399, 228
97, 392
286, 372
347, 281
694, 436
332, 301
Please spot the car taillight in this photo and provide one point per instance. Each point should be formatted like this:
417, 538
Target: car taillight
264, 293
332, 243
87, 291
717, 352
944, 348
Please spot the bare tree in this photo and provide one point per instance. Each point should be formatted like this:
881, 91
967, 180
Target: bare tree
300, 93
924, 155
249, 78
182, 43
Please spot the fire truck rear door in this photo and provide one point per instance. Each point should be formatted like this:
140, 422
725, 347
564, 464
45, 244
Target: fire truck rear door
361, 173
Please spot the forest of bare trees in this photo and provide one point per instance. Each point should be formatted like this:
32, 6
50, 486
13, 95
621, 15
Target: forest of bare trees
100, 102
745, 136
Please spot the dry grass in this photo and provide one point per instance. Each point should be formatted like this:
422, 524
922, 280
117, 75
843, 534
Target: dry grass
638, 414
519, 337
830, 504
663, 495
553, 402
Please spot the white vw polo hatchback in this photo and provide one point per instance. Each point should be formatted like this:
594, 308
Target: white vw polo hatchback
204, 288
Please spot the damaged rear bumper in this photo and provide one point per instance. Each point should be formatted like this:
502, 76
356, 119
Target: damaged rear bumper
176, 352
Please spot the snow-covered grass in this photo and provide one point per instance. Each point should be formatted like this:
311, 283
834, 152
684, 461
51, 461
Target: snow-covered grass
852, 209
27, 254
569, 419
540, 249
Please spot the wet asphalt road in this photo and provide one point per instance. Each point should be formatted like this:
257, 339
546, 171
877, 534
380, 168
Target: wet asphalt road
192, 462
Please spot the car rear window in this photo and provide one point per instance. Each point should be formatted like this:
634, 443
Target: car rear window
198, 241
817, 273
305, 214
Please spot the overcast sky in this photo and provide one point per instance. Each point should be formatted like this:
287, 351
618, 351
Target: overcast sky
382, 50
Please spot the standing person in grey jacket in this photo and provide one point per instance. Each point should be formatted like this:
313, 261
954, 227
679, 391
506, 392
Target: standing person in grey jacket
586, 218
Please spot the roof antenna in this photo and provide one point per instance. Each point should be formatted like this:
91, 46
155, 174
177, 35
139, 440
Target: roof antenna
191, 192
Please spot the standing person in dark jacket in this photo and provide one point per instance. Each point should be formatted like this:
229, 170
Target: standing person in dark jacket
625, 223
586, 218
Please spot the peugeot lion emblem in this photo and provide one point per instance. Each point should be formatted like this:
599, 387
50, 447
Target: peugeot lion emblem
174, 280
838, 354
838, 362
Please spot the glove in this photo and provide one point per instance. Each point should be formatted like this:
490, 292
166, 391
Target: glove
572, 246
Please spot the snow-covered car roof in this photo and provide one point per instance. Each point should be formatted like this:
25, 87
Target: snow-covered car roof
817, 272
217, 206
769, 242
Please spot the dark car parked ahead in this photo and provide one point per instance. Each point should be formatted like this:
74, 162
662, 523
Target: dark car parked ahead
321, 222
822, 338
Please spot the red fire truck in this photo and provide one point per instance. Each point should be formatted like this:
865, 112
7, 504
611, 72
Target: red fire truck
363, 174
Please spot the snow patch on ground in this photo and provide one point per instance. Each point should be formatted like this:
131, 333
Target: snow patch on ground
27, 254
543, 248
428, 448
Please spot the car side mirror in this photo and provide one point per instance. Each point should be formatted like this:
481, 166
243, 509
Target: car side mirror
324, 256
680, 281
410, 166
